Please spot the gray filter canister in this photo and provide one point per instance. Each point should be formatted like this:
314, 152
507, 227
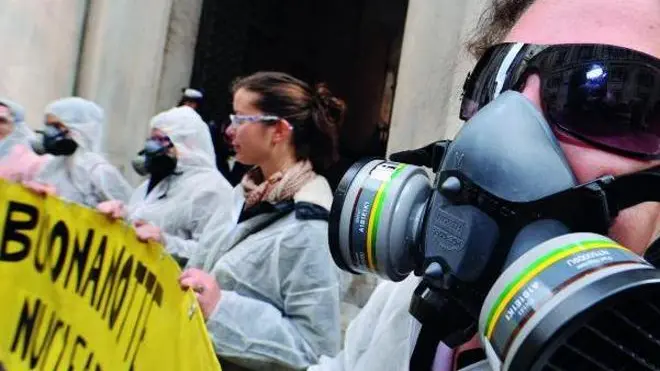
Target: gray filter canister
576, 302
376, 218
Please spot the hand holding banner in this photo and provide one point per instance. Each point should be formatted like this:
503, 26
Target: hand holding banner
79, 290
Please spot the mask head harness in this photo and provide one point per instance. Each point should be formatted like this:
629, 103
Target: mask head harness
500, 205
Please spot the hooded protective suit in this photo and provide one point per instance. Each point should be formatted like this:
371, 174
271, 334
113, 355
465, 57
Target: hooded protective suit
182, 203
85, 177
21, 134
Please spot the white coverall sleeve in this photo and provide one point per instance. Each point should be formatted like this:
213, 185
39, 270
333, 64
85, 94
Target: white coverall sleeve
201, 208
255, 334
382, 336
110, 184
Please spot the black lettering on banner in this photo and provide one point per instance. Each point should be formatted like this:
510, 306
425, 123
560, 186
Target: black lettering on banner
14, 224
41, 337
35, 357
88, 365
155, 297
61, 233
109, 282
79, 257
35, 336
58, 325
95, 272
116, 306
40, 265
138, 345
79, 341
89, 361
66, 341
139, 272
25, 326
158, 295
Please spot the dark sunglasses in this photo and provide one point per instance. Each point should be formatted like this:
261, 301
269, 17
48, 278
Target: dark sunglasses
606, 95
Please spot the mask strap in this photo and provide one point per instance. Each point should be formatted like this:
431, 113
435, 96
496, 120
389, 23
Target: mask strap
632, 189
652, 254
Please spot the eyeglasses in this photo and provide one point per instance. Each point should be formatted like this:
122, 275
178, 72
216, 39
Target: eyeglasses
606, 95
237, 120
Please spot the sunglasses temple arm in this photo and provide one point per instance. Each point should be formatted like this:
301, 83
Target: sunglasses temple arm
632, 189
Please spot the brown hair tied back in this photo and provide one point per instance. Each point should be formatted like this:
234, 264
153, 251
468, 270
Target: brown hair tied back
315, 114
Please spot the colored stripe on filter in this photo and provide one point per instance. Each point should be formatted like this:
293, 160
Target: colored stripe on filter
374, 217
533, 271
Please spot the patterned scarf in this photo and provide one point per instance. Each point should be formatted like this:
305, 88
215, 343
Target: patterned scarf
279, 187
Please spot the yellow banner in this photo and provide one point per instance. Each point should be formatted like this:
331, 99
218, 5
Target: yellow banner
80, 292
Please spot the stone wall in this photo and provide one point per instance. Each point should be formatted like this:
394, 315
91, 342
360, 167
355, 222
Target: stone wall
131, 57
40, 42
179, 54
122, 59
432, 70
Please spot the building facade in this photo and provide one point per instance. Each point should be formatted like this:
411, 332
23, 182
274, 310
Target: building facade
133, 58
402, 63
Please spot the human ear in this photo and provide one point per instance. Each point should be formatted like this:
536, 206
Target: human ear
282, 131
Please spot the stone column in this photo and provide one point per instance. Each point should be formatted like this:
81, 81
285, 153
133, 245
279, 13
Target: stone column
179, 51
433, 66
39, 41
121, 69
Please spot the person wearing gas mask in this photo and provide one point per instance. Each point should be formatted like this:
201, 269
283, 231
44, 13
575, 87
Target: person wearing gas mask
263, 276
70, 164
13, 129
615, 131
183, 189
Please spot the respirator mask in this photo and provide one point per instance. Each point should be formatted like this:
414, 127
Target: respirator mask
154, 159
508, 246
55, 141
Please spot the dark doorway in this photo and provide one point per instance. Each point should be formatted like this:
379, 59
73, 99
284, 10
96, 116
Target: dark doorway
353, 45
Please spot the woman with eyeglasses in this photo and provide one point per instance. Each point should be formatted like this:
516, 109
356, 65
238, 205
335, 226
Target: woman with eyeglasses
183, 188
264, 277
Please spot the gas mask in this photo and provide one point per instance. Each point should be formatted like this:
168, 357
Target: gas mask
154, 159
508, 246
54, 141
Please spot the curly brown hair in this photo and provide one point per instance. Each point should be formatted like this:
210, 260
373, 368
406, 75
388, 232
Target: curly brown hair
495, 22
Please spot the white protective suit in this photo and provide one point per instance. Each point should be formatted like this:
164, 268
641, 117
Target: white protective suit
383, 335
279, 308
182, 203
21, 134
85, 177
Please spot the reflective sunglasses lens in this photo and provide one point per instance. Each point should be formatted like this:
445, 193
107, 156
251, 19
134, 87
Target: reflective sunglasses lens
613, 106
